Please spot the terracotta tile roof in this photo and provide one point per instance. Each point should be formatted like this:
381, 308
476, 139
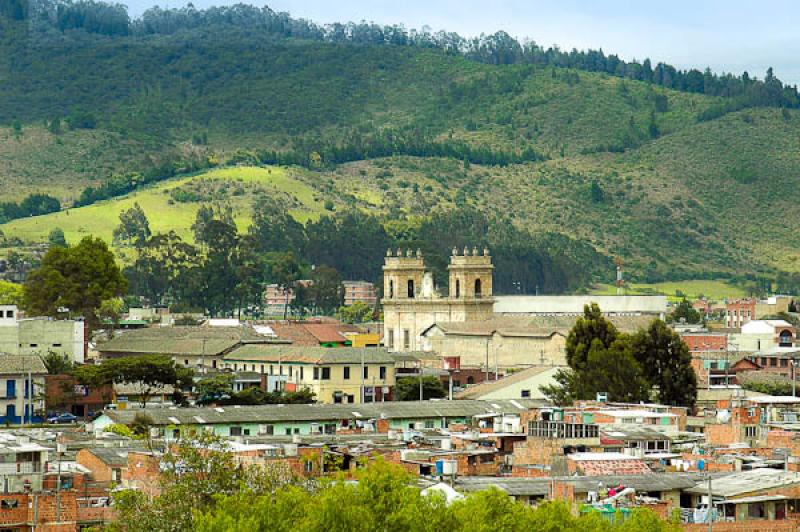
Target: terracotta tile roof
613, 467
181, 340
294, 333
311, 355
329, 332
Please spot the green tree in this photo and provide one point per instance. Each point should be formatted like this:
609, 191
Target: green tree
56, 237
596, 192
614, 370
684, 312
147, 373
327, 291
133, 228
196, 474
600, 360
212, 388
76, 279
283, 270
358, 312
407, 388
666, 363
56, 363
11, 293
161, 269
275, 230
588, 328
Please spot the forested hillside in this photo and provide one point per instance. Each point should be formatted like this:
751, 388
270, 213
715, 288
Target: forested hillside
683, 176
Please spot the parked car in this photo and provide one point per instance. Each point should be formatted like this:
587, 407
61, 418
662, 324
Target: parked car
64, 417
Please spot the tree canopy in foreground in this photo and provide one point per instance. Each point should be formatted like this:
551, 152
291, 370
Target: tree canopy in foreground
203, 490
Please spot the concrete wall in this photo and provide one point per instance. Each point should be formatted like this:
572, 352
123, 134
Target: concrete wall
42, 335
503, 351
574, 304
532, 385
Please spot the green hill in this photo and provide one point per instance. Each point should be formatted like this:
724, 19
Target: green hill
631, 167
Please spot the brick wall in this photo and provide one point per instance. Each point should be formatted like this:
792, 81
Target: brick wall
100, 470
143, 472
536, 451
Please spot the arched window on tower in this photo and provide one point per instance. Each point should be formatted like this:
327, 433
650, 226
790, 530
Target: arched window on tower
411, 288
477, 288
458, 288
391, 289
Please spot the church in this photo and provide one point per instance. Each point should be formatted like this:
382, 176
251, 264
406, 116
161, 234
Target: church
484, 330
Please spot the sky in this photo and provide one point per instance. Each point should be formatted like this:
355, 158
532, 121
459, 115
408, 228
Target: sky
726, 35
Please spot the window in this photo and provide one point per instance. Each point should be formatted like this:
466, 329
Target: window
784, 363
9, 504
406, 339
429, 424
236, 431
773, 361
290, 371
391, 289
383, 373
755, 510
10, 314
390, 339
289, 432
301, 372
252, 367
56, 345
326, 374
411, 288
185, 361
214, 364
458, 288
785, 339
34, 345
271, 370
525, 393
470, 380
477, 288
750, 431
316, 373
337, 397
346, 373
366, 372
262, 369
309, 466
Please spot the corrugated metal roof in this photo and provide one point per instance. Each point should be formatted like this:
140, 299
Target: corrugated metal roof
182, 340
311, 355
747, 482
323, 412
541, 486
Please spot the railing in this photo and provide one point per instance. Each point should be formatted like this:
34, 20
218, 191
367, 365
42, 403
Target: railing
20, 468
560, 429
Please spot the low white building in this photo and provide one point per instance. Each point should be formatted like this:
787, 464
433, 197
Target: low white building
764, 335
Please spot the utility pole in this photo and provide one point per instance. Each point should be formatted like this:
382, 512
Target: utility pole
710, 506
487, 359
58, 480
363, 390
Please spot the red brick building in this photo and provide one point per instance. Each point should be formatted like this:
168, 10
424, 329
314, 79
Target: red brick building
64, 394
